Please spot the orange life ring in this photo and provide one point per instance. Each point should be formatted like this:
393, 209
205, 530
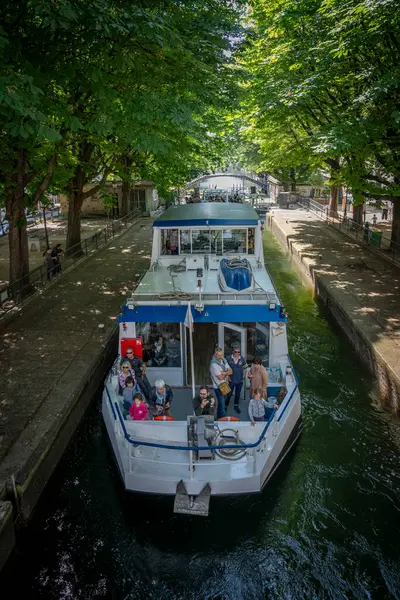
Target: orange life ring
164, 418
228, 419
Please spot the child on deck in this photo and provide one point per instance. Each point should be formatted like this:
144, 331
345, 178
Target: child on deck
128, 393
139, 410
258, 407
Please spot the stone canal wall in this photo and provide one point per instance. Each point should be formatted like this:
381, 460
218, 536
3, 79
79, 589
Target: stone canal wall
53, 358
360, 290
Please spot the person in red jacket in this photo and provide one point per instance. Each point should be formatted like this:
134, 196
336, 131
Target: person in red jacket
139, 411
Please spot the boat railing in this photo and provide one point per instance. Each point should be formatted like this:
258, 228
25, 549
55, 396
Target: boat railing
115, 409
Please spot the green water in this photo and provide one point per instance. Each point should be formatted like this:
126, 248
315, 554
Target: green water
327, 526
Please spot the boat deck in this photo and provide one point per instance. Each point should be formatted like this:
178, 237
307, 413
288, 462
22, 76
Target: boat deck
163, 281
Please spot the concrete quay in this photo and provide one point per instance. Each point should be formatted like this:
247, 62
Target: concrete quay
54, 356
360, 289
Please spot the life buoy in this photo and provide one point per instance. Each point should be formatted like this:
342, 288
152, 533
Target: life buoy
228, 419
164, 418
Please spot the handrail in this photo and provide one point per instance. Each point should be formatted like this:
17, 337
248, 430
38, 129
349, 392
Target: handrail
111, 404
189, 448
287, 403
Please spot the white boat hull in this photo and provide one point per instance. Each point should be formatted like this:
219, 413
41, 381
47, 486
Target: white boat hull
159, 470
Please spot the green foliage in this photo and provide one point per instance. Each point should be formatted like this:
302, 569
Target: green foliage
323, 89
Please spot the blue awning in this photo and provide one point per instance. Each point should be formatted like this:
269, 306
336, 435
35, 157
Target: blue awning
211, 314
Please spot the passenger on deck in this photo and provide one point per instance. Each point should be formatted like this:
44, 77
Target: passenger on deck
126, 371
173, 348
128, 392
257, 406
139, 369
139, 410
258, 377
204, 403
161, 398
238, 365
219, 371
159, 353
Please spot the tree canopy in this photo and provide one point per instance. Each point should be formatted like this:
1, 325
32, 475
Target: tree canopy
89, 85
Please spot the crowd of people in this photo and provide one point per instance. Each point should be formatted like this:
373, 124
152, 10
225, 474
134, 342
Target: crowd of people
141, 401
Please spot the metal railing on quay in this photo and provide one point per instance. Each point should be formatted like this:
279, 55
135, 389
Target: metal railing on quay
365, 234
13, 295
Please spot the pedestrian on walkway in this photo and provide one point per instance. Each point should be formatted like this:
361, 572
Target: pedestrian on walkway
220, 372
238, 365
48, 261
55, 253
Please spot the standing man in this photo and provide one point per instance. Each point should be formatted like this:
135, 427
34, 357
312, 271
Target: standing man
238, 365
219, 371
139, 369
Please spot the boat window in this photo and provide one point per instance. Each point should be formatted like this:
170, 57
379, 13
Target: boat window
201, 241
161, 344
250, 241
169, 241
257, 341
185, 241
234, 241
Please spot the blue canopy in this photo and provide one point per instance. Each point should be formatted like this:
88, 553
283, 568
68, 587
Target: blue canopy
245, 313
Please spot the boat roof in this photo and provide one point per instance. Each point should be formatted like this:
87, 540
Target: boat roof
219, 213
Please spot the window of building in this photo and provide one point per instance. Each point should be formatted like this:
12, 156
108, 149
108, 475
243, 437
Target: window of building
161, 344
234, 241
169, 242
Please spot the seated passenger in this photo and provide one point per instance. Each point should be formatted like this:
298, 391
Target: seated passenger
173, 348
257, 406
139, 369
204, 403
126, 371
139, 410
160, 399
159, 354
131, 388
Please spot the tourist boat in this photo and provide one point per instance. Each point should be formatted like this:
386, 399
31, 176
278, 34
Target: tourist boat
207, 286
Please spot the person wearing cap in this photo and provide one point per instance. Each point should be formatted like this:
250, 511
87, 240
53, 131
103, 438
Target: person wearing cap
238, 365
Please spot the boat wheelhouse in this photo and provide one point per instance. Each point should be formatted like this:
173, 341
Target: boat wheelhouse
207, 287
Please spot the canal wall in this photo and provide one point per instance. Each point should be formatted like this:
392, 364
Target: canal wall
54, 357
359, 289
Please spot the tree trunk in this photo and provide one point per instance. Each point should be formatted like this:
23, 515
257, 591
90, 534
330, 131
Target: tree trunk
292, 180
333, 200
395, 238
75, 202
358, 213
125, 199
15, 213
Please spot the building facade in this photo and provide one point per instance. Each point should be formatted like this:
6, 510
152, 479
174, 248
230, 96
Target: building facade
143, 195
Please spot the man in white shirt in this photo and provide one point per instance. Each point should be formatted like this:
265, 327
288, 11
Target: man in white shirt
219, 371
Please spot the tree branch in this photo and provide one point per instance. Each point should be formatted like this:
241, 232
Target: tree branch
46, 180
99, 186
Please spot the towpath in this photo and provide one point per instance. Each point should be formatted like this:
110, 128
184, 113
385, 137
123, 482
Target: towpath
47, 351
360, 288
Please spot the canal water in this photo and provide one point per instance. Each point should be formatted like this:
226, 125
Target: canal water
326, 527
